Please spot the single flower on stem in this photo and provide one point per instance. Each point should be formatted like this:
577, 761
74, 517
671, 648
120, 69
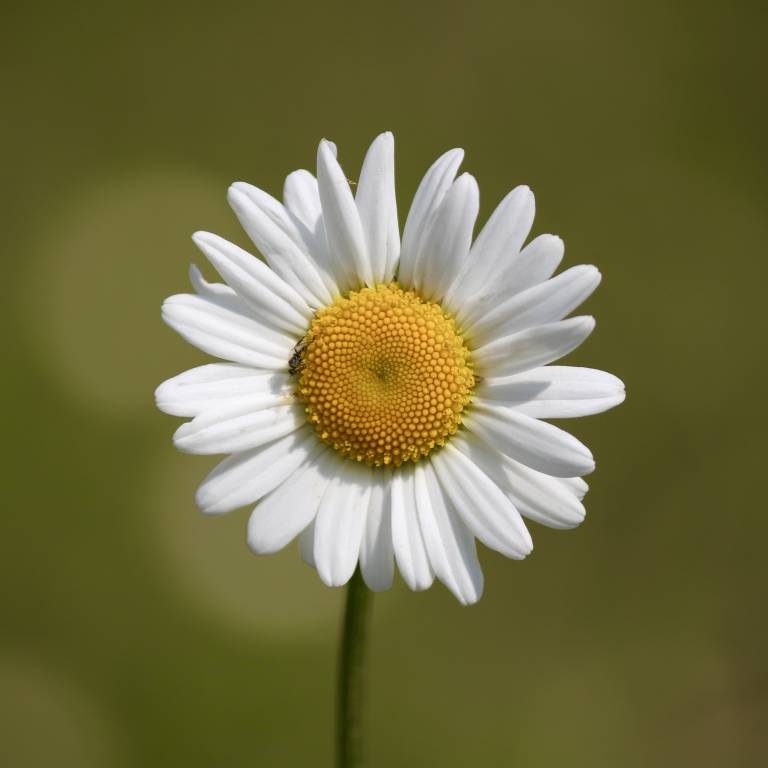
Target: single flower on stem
383, 397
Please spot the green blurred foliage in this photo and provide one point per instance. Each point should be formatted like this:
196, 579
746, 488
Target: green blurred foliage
135, 632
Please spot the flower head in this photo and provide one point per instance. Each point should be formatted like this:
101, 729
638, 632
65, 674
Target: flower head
383, 398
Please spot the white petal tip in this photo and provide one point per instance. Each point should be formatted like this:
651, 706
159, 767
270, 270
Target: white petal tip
162, 400
385, 137
468, 181
468, 600
236, 196
203, 239
595, 276
530, 549
420, 584
259, 547
332, 580
166, 308
378, 586
553, 243
575, 522
206, 504
182, 440
240, 186
326, 148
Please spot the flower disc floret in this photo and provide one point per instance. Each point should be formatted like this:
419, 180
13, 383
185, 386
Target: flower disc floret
385, 376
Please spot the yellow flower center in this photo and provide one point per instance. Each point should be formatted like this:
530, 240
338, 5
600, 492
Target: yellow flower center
384, 375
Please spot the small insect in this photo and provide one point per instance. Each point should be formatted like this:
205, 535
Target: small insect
296, 363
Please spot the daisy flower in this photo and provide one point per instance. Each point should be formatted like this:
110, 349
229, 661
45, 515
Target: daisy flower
383, 397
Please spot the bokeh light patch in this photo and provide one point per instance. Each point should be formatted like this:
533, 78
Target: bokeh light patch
49, 719
94, 288
274, 598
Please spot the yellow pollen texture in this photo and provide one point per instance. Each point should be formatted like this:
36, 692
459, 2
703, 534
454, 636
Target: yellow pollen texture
384, 375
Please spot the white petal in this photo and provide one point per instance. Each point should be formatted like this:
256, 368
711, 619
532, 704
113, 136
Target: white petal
223, 333
445, 245
302, 202
307, 544
450, 545
436, 182
555, 392
541, 304
244, 478
481, 504
497, 245
302, 198
310, 240
533, 265
576, 485
343, 228
290, 508
377, 206
269, 297
340, 522
209, 386
278, 240
408, 543
376, 552
544, 499
393, 247
534, 347
223, 296
240, 425
535, 443
536, 263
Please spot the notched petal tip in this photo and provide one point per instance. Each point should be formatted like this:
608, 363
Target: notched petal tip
555, 241
327, 163
327, 146
167, 308
591, 275
576, 521
331, 579
183, 440
206, 502
526, 545
619, 385
468, 601
236, 196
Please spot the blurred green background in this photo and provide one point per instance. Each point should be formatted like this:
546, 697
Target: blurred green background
137, 633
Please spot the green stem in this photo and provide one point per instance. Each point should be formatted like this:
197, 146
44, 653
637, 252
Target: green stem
349, 741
